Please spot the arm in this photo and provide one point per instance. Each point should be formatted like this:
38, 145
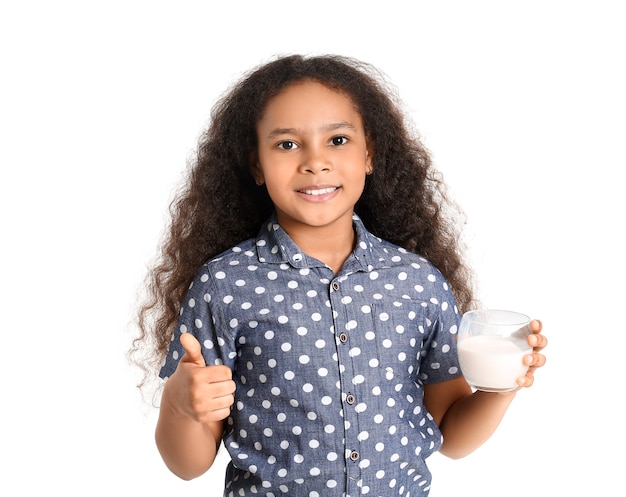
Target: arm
465, 419
195, 401
468, 419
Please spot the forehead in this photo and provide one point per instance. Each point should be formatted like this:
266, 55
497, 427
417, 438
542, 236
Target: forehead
309, 100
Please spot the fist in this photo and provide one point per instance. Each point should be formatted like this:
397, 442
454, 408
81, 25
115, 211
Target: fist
203, 393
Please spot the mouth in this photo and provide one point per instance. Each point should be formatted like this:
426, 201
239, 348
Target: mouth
319, 191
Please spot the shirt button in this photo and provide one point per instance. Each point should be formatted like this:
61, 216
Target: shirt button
350, 399
354, 455
335, 286
343, 338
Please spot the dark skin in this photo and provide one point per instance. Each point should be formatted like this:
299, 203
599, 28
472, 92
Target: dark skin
197, 398
312, 140
468, 419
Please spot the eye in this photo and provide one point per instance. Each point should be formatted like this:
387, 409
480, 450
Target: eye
339, 140
287, 145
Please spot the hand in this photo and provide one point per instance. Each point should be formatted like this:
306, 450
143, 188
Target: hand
203, 393
534, 360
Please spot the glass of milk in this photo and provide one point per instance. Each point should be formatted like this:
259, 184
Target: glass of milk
491, 346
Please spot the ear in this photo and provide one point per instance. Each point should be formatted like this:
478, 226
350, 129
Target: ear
257, 173
255, 169
368, 160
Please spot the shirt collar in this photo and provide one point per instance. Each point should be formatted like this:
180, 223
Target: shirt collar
275, 246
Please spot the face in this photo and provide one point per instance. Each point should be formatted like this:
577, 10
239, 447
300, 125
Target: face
312, 156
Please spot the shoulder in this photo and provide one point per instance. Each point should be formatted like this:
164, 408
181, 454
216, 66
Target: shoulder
242, 252
380, 252
217, 268
419, 272
393, 255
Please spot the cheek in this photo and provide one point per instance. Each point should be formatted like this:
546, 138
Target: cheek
275, 183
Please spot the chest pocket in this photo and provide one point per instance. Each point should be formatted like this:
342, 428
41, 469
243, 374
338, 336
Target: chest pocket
400, 332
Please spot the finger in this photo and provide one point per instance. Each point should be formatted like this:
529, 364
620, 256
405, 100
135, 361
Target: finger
217, 415
536, 326
221, 374
537, 341
526, 381
222, 401
535, 360
192, 348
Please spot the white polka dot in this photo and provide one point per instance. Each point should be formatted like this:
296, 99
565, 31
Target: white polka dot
358, 379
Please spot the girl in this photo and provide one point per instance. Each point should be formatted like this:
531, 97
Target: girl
305, 307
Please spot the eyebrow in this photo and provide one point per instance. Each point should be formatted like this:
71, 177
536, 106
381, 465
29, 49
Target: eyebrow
329, 127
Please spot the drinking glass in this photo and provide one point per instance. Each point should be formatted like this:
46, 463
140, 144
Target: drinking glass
491, 347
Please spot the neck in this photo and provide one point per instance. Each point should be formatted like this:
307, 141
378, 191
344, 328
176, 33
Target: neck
330, 244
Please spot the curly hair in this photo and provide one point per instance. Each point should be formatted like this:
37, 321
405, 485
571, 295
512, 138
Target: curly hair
404, 201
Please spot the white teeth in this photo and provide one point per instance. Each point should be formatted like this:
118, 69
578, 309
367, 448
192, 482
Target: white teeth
320, 192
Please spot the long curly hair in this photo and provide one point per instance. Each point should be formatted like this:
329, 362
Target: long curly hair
404, 201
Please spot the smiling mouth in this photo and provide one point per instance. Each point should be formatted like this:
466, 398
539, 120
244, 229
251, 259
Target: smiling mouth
321, 191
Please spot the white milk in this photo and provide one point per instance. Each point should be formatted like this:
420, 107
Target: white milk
492, 362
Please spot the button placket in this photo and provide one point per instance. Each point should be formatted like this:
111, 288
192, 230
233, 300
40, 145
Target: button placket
345, 316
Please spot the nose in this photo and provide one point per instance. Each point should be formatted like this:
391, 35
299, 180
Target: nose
315, 161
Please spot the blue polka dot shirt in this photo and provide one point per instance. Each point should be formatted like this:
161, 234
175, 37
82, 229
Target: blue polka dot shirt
329, 367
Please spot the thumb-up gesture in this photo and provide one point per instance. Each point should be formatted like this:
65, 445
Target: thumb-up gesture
200, 392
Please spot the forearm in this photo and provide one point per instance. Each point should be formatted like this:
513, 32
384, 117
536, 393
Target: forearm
471, 420
187, 447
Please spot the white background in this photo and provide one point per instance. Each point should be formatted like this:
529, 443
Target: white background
101, 103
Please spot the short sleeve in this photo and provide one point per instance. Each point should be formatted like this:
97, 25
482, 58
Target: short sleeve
200, 316
439, 354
